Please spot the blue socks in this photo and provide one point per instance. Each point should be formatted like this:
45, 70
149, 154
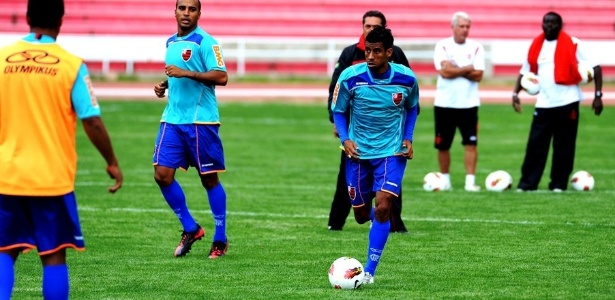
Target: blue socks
378, 235
217, 203
55, 282
174, 195
7, 276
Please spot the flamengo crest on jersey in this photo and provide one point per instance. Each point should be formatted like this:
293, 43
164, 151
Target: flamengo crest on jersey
397, 98
186, 54
378, 107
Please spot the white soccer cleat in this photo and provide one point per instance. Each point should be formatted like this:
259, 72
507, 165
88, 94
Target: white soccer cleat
368, 279
472, 188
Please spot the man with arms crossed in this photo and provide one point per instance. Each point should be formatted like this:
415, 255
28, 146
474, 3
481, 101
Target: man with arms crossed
460, 63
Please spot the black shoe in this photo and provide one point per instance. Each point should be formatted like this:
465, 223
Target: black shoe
218, 249
335, 228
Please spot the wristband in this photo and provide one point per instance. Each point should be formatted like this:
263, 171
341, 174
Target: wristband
514, 94
598, 94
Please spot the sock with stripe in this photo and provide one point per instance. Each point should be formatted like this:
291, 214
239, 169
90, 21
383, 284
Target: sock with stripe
217, 203
175, 197
378, 235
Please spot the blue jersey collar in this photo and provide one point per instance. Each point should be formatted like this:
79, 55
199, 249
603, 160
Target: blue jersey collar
33, 37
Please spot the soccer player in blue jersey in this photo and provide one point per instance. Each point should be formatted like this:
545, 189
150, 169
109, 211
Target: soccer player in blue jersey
382, 98
188, 134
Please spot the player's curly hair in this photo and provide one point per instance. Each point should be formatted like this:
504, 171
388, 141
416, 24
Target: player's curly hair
381, 35
45, 13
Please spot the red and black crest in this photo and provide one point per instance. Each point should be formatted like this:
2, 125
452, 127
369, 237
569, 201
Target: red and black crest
186, 54
397, 98
352, 192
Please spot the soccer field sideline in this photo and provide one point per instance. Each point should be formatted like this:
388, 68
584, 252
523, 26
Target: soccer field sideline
298, 94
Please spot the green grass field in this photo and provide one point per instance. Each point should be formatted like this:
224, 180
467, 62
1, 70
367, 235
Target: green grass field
282, 162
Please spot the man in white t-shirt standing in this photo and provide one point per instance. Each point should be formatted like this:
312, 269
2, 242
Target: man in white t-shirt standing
554, 57
460, 63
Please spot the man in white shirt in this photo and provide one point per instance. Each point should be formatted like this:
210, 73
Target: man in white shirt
554, 57
460, 63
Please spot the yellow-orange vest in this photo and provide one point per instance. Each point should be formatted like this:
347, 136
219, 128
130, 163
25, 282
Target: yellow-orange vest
37, 120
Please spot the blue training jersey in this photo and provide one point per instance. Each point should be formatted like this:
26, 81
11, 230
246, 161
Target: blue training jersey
190, 101
378, 107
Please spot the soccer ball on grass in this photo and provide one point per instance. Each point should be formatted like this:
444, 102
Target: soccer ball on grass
346, 273
498, 181
582, 181
434, 181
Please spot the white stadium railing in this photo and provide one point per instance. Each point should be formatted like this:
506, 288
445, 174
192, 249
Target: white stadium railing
131, 49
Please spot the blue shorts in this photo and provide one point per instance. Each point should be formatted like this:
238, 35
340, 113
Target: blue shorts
46, 223
365, 177
182, 146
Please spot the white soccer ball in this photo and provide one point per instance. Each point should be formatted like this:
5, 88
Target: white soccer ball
529, 82
498, 181
582, 181
346, 273
587, 73
434, 181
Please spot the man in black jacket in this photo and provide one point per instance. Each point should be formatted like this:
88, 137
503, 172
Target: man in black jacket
354, 54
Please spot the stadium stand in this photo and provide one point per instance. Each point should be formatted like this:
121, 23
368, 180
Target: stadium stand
409, 19
492, 19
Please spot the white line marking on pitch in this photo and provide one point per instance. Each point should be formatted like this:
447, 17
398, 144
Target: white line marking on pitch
307, 216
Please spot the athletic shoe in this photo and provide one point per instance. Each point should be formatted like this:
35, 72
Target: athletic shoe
556, 190
335, 228
188, 238
368, 279
472, 188
218, 249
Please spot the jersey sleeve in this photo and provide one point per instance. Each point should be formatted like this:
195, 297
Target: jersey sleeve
479, 59
583, 54
341, 94
212, 55
82, 95
413, 97
439, 55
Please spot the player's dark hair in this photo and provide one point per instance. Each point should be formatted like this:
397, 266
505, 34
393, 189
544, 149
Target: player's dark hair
380, 35
45, 13
377, 14
556, 15
197, 1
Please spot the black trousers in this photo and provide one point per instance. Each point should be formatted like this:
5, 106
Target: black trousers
559, 124
340, 207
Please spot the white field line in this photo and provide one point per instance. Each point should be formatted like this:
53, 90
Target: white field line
302, 187
308, 216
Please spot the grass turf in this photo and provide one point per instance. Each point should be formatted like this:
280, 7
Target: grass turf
282, 163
